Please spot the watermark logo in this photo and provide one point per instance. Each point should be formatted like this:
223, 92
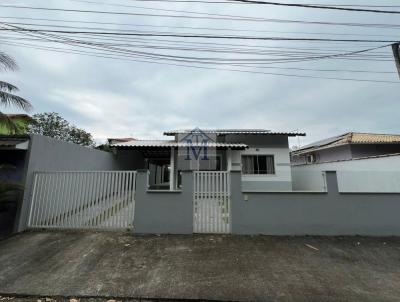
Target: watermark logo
197, 150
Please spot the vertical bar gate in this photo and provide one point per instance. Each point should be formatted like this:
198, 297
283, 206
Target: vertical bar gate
83, 200
211, 202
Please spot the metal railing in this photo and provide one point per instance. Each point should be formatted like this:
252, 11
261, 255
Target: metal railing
83, 200
211, 202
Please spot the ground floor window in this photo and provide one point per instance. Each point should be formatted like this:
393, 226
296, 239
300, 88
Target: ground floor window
258, 164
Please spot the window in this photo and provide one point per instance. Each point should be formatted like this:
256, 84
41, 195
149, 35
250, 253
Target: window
258, 164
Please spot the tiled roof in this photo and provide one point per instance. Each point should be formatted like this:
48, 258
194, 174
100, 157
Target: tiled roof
371, 138
236, 131
172, 143
351, 138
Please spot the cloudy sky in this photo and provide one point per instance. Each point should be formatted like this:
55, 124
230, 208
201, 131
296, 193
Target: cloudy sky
120, 97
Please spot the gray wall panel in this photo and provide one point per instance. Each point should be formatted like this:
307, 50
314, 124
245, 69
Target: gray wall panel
163, 212
314, 213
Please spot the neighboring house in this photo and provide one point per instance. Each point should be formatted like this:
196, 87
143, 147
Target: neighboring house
347, 146
119, 140
262, 156
22, 122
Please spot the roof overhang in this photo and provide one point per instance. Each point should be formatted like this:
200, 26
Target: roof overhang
236, 132
14, 142
173, 144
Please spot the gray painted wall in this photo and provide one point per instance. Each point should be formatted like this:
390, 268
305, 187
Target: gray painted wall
325, 155
267, 185
372, 150
254, 140
330, 213
48, 154
163, 212
347, 152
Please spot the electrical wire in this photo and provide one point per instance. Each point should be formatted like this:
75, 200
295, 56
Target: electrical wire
207, 16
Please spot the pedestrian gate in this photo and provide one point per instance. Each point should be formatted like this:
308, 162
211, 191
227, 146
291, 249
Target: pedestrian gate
83, 200
211, 202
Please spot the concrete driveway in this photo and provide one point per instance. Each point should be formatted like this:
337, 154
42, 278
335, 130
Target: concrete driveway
234, 268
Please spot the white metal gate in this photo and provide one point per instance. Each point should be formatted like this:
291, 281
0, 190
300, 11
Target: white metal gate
83, 200
211, 202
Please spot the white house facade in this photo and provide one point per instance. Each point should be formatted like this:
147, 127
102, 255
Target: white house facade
261, 155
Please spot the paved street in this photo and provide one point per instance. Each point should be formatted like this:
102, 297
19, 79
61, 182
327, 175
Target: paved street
229, 268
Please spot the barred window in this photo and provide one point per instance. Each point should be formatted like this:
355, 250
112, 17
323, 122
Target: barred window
258, 164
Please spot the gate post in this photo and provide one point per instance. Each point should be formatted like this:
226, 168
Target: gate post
236, 196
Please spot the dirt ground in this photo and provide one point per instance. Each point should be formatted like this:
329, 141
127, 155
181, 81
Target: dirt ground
98, 266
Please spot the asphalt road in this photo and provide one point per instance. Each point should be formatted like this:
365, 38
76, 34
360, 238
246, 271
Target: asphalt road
223, 268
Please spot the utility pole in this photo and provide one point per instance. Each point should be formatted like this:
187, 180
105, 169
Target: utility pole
396, 54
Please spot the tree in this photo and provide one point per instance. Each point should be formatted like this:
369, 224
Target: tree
7, 98
53, 125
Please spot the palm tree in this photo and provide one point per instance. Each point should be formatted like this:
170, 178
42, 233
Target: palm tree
7, 98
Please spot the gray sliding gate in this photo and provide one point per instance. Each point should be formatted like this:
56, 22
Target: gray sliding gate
83, 200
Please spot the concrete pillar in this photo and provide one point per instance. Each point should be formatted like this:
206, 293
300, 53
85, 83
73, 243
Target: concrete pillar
331, 182
236, 198
163, 211
172, 170
228, 159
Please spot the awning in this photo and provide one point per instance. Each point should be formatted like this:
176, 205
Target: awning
174, 144
14, 143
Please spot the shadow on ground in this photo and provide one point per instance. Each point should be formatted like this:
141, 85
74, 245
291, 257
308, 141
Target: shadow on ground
226, 268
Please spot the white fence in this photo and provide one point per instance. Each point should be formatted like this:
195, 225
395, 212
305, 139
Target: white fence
211, 202
83, 200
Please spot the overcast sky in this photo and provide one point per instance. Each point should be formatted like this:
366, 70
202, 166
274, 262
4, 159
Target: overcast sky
116, 98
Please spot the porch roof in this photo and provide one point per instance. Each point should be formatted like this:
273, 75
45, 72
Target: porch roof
173, 143
14, 142
236, 131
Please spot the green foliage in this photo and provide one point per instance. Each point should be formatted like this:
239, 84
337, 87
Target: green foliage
21, 127
7, 98
53, 125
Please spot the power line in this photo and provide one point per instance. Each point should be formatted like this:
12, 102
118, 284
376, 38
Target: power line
189, 35
243, 3
318, 6
227, 50
208, 16
249, 71
301, 5
175, 27
173, 57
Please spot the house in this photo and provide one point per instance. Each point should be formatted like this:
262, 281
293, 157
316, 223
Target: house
21, 121
229, 181
348, 146
261, 155
111, 141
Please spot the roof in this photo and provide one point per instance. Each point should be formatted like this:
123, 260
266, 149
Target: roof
172, 143
236, 131
8, 142
352, 159
21, 115
350, 138
122, 140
